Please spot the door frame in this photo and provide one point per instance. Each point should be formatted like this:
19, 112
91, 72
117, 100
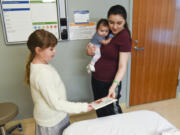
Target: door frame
129, 63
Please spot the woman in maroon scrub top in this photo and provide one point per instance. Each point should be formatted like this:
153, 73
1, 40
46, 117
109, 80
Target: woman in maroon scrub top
112, 65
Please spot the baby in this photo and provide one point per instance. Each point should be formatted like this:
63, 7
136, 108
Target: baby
101, 37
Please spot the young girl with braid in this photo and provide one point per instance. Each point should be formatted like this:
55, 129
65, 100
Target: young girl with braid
51, 107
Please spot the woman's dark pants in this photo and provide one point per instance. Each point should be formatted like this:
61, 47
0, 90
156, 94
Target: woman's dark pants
101, 89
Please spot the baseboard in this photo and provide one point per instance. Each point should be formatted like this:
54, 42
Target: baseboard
123, 105
179, 95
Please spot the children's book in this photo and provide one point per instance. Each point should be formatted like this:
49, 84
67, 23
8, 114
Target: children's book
102, 102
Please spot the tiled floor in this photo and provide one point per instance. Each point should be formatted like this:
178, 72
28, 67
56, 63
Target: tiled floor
169, 109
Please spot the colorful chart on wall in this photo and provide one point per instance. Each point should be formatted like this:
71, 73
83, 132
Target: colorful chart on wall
21, 17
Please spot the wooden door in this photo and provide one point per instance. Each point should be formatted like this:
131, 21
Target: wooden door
155, 58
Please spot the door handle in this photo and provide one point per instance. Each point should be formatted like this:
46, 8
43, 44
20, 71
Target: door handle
136, 47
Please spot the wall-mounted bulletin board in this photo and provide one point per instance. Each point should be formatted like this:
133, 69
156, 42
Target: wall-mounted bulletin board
21, 17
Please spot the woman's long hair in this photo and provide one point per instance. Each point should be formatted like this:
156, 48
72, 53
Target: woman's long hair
39, 38
119, 10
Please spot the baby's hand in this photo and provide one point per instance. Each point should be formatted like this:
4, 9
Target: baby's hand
106, 42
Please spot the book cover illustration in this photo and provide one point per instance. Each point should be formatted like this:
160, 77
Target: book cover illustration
102, 102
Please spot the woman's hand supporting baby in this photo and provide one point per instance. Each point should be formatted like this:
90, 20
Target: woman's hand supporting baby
90, 50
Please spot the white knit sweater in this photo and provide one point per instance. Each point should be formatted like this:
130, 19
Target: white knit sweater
49, 96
